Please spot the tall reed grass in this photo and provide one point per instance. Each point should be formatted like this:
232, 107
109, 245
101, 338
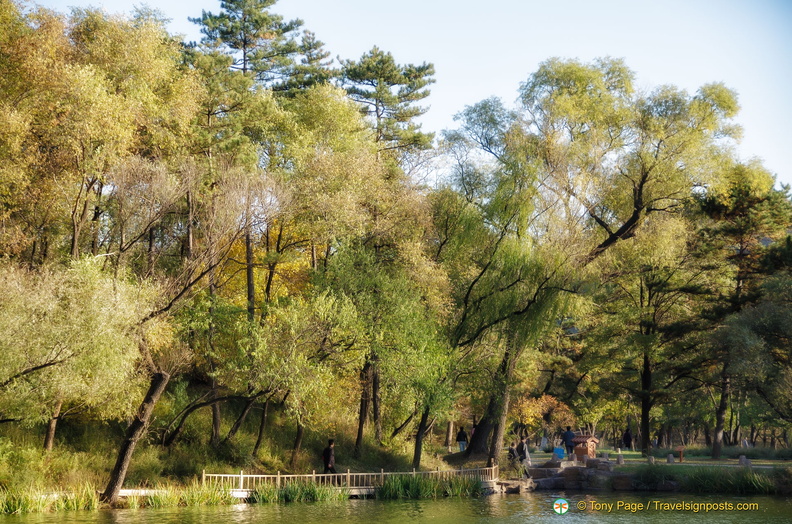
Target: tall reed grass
714, 479
297, 492
425, 487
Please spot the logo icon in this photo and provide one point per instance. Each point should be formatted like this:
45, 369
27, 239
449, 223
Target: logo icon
561, 506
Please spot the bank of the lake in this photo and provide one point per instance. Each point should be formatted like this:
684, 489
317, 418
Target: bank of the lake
498, 509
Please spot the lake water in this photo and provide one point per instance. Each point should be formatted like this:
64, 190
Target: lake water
529, 507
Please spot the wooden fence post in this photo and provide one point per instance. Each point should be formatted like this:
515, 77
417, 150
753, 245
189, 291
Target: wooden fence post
203, 478
241, 479
382, 476
277, 482
348, 484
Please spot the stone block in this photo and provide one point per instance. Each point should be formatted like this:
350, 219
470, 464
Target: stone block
670, 458
650, 460
573, 473
668, 485
593, 463
622, 482
573, 484
620, 459
605, 466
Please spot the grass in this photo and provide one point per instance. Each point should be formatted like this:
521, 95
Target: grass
425, 487
297, 492
84, 497
696, 479
729, 452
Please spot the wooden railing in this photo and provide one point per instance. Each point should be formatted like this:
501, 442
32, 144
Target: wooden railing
346, 480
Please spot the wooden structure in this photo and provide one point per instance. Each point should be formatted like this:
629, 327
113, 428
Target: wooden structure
681, 451
356, 484
585, 446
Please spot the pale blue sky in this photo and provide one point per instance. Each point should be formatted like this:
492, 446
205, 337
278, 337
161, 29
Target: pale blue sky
487, 48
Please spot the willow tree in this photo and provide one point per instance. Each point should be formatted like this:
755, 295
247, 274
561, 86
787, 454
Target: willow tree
68, 344
575, 170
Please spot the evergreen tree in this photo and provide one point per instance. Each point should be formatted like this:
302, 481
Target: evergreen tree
389, 92
260, 41
313, 67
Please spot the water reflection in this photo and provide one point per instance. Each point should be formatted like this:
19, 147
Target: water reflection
505, 509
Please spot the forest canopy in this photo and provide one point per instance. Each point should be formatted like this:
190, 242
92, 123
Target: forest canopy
244, 222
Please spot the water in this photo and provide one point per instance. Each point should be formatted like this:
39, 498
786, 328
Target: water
529, 507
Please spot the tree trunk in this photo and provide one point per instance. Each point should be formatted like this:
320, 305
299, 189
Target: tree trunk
263, 425
134, 433
646, 402
364, 404
49, 439
214, 440
190, 218
403, 424
375, 402
720, 414
419, 438
251, 289
241, 418
449, 440
496, 445
297, 445
707, 435
479, 442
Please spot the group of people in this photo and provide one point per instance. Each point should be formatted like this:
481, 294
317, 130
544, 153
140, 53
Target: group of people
520, 457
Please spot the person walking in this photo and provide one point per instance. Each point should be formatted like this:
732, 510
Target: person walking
328, 457
462, 439
566, 438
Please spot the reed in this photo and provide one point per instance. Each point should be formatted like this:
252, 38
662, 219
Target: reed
84, 497
17, 502
425, 487
740, 481
196, 494
297, 492
162, 497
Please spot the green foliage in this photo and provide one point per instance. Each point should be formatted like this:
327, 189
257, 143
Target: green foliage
425, 487
743, 481
84, 497
259, 39
296, 491
388, 92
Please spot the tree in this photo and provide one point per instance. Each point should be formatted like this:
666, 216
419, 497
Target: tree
259, 39
388, 92
68, 343
745, 214
577, 171
312, 69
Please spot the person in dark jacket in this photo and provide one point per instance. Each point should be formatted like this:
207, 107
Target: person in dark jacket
567, 437
514, 458
462, 439
328, 457
627, 439
524, 456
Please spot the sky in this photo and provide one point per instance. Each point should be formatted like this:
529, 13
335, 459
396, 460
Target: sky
487, 48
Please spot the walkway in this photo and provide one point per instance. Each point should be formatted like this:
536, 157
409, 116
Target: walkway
356, 484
